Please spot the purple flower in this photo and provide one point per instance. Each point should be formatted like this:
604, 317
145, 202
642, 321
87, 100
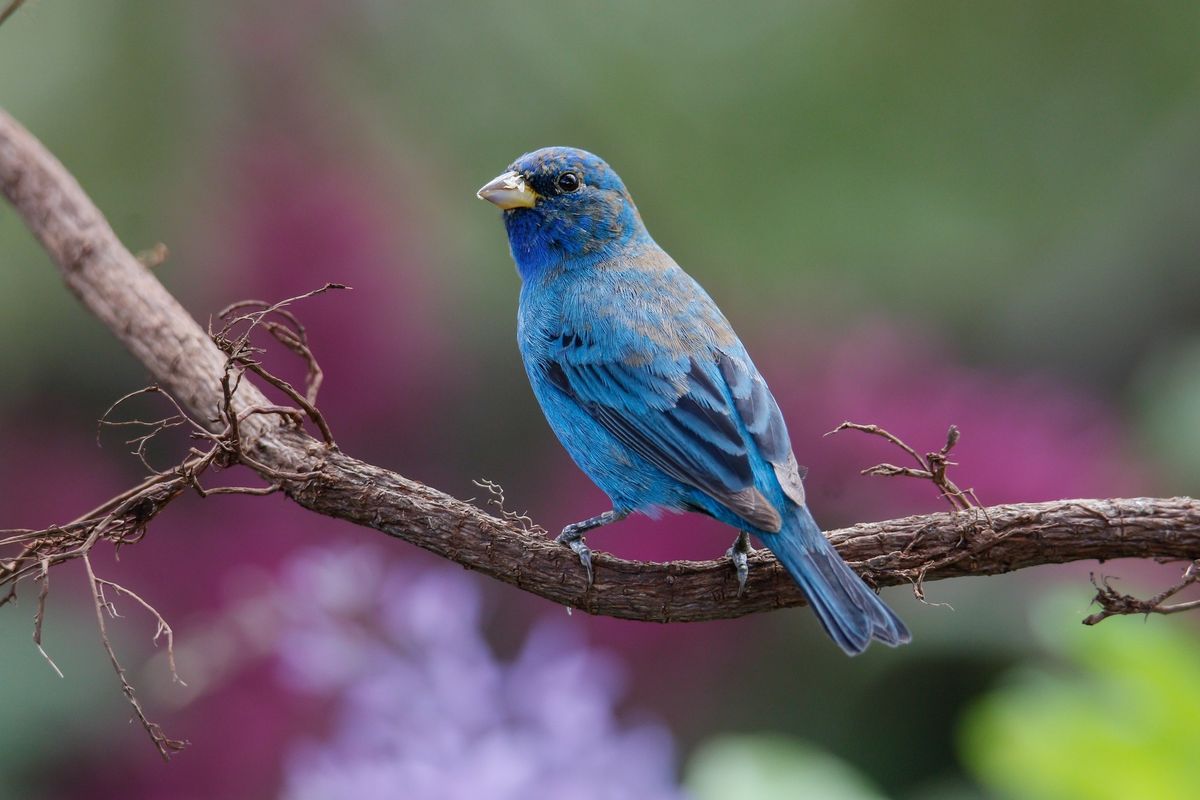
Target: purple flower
426, 710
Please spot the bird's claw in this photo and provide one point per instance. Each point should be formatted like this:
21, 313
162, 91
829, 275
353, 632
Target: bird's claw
574, 540
739, 553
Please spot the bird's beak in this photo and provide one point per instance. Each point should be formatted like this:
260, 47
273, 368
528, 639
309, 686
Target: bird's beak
508, 191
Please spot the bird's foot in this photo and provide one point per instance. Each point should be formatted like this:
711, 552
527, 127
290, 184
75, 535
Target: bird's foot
740, 552
572, 537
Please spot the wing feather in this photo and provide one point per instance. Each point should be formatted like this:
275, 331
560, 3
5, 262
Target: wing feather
683, 416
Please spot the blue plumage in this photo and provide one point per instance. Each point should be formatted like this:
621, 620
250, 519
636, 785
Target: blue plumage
650, 390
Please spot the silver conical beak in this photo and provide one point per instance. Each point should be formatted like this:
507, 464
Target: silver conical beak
508, 191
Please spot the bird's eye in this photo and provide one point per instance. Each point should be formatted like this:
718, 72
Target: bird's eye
567, 182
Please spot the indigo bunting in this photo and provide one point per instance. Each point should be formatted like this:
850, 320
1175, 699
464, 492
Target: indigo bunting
649, 389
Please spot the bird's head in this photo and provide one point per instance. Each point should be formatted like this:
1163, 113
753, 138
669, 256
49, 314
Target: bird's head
563, 207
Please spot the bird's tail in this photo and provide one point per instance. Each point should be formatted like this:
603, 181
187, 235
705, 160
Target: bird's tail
849, 611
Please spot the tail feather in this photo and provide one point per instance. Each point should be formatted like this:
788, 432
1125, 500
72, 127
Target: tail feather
849, 611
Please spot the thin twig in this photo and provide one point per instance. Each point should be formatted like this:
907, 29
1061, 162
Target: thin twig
497, 500
10, 9
40, 615
163, 628
1113, 603
933, 466
166, 746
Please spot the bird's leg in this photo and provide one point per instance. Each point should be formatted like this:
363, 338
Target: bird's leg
572, 536
739, 552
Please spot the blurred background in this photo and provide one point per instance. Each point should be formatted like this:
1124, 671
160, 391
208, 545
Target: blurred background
915, 215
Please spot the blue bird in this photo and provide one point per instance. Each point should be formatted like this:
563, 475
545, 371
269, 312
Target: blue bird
649, 389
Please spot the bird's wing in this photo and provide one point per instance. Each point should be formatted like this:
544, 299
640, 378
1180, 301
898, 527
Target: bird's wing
682, 415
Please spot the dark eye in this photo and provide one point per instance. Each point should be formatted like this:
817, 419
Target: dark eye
567, 182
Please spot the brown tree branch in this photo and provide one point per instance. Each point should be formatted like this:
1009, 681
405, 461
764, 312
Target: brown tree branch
123, 294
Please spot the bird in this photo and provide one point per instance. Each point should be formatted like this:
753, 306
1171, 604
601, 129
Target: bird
650, 390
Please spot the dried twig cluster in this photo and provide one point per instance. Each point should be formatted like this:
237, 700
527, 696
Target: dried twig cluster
933, 466
496, 500
123, 519
1113, 603
242, 357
